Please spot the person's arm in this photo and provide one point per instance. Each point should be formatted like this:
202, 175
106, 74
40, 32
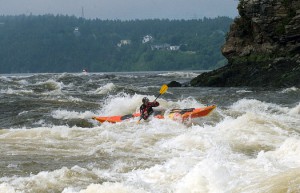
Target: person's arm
143, 112
141, 109
154, 104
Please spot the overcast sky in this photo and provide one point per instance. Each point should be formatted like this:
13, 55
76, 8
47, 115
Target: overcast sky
123, 9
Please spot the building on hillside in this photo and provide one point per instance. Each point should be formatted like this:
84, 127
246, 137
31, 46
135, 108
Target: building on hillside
76, 31
160, 47
147, 39
124, 43
174, 48
165, 47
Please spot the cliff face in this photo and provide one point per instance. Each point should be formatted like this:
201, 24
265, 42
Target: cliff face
262, 47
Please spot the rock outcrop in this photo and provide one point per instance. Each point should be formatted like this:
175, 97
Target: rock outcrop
174, 84
262, 47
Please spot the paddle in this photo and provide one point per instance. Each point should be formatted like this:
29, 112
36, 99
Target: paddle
162, 90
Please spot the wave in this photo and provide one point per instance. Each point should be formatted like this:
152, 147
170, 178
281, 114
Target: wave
291, 89
129, 76
11, 91
243, 91
295, 111
245, 145
50, 85
65, 114
107, 187
256, 106
124, 103
288, 153
274, 170
23, 82
62, 180
74, 99
121, 104
281, 117
180, 74
189, 102
106, 88
54, 181
168, 156
5, 79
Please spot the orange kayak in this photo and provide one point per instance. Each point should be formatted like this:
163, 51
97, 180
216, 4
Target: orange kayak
175, 114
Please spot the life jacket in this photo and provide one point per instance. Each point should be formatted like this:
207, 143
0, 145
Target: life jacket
147, 110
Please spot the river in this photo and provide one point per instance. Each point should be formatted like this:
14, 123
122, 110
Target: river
49, 144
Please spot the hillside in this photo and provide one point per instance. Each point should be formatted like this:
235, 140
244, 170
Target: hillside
67, 44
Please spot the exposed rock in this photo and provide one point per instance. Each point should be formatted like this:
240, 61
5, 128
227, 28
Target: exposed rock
265, 74
80, 123
262, 47
174, 84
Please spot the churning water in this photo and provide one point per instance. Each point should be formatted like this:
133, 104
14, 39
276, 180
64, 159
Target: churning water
49, 143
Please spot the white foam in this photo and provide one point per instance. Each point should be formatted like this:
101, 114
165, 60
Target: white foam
105, 89
259, 107
291, 89
8, 91
65, 114
23, 82
52, 84
185, 142
121, 104
107, 187
295, 111
189, 102
74, 99
251, 131
119, 76
180, 74
208, 176
23, 112
235, 154
278, 115
48, 181
253, 105
6, 79
6, 188
11, 91
244, 91
287, 155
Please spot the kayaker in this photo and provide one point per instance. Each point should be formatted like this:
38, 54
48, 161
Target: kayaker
146, 108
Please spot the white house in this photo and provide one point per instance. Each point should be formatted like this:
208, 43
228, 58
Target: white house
165, 47
76, 31
147, 38
123, 43
160, 47
174, 48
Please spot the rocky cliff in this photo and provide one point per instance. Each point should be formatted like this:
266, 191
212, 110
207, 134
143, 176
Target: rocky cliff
262, 47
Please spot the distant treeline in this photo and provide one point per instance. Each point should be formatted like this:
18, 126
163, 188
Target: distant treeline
51, 43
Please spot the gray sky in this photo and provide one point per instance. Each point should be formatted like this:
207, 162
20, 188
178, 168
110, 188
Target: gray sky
123, 9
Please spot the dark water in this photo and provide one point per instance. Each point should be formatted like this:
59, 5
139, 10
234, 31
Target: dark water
49, 143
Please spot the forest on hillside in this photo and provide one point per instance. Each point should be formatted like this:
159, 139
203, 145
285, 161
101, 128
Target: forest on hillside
50, 43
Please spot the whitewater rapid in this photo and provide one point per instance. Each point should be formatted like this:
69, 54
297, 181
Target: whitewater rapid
250, 143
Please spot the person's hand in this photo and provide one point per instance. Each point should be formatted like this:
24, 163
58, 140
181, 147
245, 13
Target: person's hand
145, 115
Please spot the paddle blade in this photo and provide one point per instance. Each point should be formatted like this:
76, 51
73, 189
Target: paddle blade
163, 89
